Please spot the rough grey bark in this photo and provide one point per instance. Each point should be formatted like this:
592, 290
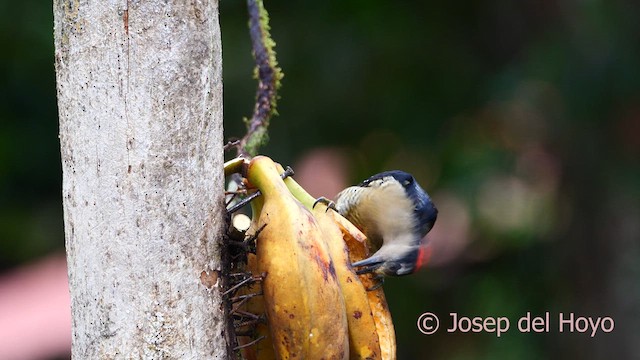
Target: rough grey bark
140, 106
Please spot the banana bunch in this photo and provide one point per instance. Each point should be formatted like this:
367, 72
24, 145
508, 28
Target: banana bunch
316, 307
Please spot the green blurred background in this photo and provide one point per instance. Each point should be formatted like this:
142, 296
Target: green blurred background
521, 119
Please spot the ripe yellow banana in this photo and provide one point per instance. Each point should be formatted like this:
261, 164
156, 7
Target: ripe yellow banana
372, 336
302, 297
359, 249
363, 336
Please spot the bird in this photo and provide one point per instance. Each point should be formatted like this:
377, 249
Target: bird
395, 214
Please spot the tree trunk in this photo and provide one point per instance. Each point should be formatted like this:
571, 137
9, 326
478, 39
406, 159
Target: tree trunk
140, 105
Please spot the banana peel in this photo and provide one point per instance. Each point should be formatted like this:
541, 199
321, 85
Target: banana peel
302, 297
365, 338
371, 333
355, 241
364, 341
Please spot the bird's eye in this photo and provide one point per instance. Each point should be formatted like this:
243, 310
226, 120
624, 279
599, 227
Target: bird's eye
406, 182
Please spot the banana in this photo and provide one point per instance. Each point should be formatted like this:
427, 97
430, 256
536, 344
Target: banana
302, 297
234, 166
374, 330
359, 249
363, 337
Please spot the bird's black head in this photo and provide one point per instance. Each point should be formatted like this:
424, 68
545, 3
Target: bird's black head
405, 264
402, 177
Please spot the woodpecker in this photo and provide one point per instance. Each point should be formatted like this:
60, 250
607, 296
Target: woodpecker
395, 214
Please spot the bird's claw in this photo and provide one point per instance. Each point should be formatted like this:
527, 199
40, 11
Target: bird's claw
323, 200
379, 279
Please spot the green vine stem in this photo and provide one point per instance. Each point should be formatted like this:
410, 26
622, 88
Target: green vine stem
268, 75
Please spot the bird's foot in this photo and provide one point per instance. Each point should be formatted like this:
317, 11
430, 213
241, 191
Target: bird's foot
323, 200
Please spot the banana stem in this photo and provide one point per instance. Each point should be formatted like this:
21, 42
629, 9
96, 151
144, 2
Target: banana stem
286, 174
234, 166
298, 191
